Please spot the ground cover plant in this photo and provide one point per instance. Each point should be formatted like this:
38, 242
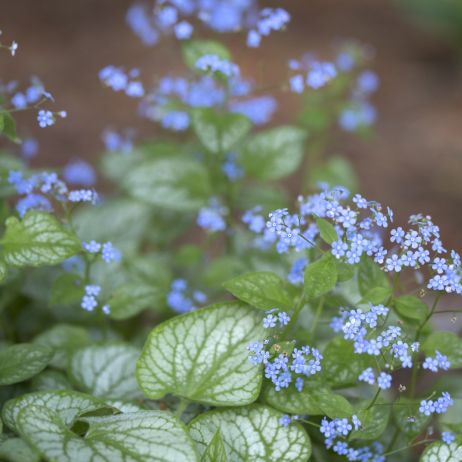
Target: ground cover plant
195, 311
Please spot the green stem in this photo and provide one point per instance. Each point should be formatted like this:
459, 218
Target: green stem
316, 319
393, 440
374, 399
182, 405
293, 319
386, 454
417, 337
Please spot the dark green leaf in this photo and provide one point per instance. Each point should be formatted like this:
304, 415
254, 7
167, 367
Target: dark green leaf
320, 276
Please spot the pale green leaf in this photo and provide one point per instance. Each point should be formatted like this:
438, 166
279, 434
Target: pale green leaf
50, 380
148, 436
38, 239
219, 131
370, 276
215, 451
67, 404
252, 433
203, 356
22, 361
106, 371
173, 184
442, 452
17, 450
262, 289
62, 339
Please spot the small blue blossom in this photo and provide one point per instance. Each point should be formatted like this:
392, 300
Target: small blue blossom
109, 253
384, 381
211, 218
296, 274
214, 63
285, 420
320, 74
92, 246
269, 321
79, 172
45, 118
283, 318
367, 376
448, 437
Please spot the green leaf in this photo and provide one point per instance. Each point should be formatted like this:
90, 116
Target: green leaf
203, 356
374, 421
8, 127
22, 361
410, 307
121, 221
327, 230
63, 339
221, 269
377, 295
336, 171
67, 404
311, 401
274, 153
67, 289
215, 451
174, 184
106, 371
130, 299
194, 49
50, 380
39, 239
408, 418
263, 290
370, 276
17, 450
252, 433
141, 436
341, 364
219, 131
320, 276
442, 452
447, 343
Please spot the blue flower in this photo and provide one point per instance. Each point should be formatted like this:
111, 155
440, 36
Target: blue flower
45, 118
109, 253
448, 437
320, 74
384, 381
367, 376
79, 172
214, 63
211, 218
183, 30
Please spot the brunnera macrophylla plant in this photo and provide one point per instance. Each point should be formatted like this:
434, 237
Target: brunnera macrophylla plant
188, 315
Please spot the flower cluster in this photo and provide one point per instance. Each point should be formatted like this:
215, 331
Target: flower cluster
287, 367
310, 72
360, 226
37, 187
106, 250
335, 433
32, 97
118, 142
176, 17
213, 63
383, 379
79, 172
169, 102
358, 325
179, 301
120, 80
439, 406
211, 218
439, 362
90, 299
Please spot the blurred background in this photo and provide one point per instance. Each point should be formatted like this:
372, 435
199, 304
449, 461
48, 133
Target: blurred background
414, 160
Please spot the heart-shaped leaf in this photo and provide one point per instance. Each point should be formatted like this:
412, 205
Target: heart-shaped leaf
203, 356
